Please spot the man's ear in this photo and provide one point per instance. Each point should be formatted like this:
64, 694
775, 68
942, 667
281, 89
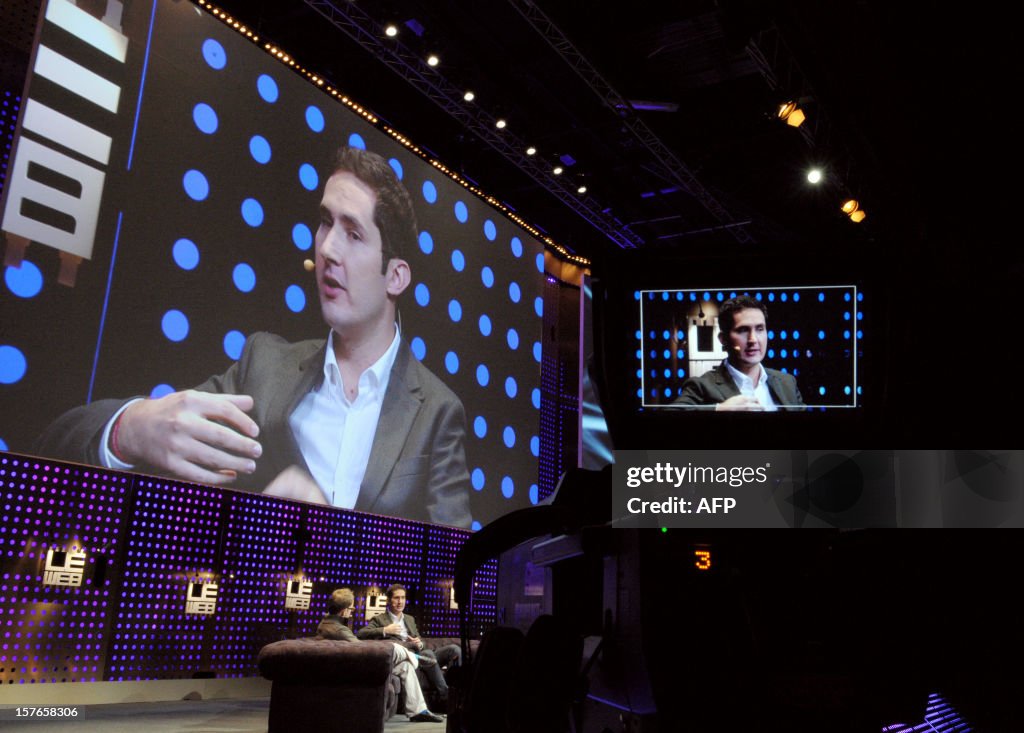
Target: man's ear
397, 277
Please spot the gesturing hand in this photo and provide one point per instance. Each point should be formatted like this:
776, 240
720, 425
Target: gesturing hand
199, 436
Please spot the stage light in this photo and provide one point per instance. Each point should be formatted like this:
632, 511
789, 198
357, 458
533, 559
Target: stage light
433, 60
500, 124
469, 96
791, 114
581, 190
858, 216
814, 175
531, 150
391, 31
558, 170
849, 206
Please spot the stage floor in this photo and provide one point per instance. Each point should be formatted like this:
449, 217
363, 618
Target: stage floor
198, 716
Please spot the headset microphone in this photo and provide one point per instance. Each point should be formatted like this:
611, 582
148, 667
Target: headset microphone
309, 265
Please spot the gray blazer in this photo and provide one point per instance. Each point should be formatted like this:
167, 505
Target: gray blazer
717, 385
417, 465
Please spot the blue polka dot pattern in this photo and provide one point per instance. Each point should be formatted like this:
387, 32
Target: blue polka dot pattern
214, 55
25, 281
476, 526
267, 88
315, 118
396, 166
451, 362
186, 254
196, 185
355, 140
534, 494
509, 436
540, 263
517, 247
252, 212
161, 390
302, 236
487, 277
419, 348
490, 231
233, 343
507, 487
514, 293
295, 298
513, 339
485, 325
511, 388
426, 242
308, 177
259, 148
422, 294
535, 445
429, 192
455, 311
458, 260
535, 398
536, 351
538, 306
244, 277
483, 376
205, 118
480, 427
13, 364
461, 212
478, 478
175, 325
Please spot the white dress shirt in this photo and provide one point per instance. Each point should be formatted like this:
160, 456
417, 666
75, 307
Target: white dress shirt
335, 434
746, 386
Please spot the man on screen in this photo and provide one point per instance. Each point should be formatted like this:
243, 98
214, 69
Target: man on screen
354, 420
741, 383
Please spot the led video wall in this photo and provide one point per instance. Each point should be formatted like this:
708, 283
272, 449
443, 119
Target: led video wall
109, 576
160, 201
815, 334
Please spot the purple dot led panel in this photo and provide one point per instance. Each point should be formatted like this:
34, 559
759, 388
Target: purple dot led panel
56, 632
96, 571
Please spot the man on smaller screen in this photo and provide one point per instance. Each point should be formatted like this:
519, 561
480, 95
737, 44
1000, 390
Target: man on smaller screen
353, 420
741, 383
395, 624
333, 626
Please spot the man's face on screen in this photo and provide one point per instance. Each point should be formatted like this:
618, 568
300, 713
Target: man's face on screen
747, 340
353, 291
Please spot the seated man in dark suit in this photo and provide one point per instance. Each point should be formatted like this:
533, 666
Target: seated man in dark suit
353, 420
395, 624
741, 382
333, 626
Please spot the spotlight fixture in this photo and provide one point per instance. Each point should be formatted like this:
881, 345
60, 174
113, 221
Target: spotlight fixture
391, 31
581, 190
791, 114
433, 60
851, 207
500, 124
469, 96
557, 170
814, 175
531, 150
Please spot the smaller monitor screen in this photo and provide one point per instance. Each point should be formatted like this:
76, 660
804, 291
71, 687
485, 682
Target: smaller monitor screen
809, 339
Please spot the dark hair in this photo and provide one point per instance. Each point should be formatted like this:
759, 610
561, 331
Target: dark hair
392, 588
727, 313
393, 214
340, 600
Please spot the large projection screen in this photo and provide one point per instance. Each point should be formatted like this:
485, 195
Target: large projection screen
160, 200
